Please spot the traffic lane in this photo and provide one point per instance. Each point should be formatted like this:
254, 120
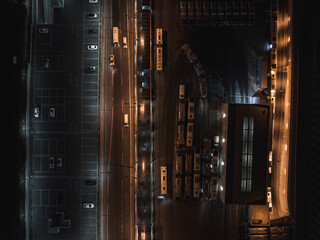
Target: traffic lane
193, 219
106, 120
120, 155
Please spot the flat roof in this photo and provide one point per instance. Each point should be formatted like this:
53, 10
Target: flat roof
237, 174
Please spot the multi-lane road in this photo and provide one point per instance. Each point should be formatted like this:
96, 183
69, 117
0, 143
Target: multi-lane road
116, 141
282, 114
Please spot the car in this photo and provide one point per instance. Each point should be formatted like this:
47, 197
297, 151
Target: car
36, 112
52, 163
111, 59
125, 42
126, 120
92, 15
93, 30
59, 162
93, 1
90, 182
43, 30
52, 113
91, 69
92, 47
46, 63
88, 205
256, 221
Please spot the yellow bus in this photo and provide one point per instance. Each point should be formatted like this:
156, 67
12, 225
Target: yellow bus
159, 58
164, 180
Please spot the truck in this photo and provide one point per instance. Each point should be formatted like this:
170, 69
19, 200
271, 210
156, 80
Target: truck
187, 186
196, 160
116, 37
181, 111
178, 163
180, 136
214, 187
196, 185
190, 109
189, 135
188, 163
177, 188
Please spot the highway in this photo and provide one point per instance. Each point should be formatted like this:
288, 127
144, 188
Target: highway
281, 130
116, 141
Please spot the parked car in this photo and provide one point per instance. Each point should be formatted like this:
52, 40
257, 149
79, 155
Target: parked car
36, 112
59, 162
88, 205
93, 30
92, 47
90, 182
92, 15
43, 30
111, 59
46, 63
52, 113
90, 69
52, 162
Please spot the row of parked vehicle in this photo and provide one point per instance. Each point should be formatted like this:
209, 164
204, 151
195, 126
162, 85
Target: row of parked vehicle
202, 78
217, 12
52, 164
196, 174
52, 112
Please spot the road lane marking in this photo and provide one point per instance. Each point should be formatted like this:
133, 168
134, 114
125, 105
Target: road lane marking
111, 130
122, 159
121, 79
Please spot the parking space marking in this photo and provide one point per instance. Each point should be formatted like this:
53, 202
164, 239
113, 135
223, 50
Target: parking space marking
46, 98
57, 63
48, 197
90, 121
43, 149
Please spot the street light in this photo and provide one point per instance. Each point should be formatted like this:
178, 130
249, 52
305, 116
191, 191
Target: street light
143, 166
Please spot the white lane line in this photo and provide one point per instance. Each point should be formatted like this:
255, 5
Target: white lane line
121, 79
122, 159
111, 130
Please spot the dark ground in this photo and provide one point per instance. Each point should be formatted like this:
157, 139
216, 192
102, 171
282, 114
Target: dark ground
13, 41
307, 31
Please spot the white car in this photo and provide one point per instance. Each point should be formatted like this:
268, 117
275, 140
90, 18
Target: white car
88, 205
92, 47
46, 63
59, 162
52, 113
43, 30
52, 163
92, 15
93, 1
36, 112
